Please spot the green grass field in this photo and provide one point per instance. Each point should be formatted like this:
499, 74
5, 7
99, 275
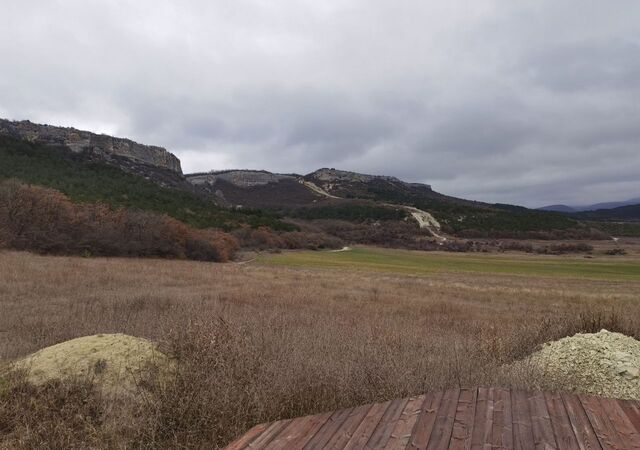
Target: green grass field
421, 263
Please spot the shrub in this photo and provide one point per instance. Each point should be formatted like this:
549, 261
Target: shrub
54, 415
561, 249
46, 221
266, 239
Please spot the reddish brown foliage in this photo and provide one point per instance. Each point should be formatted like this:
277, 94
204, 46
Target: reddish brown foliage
46, 221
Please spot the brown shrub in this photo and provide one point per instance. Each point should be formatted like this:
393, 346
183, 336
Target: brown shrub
565, 248
46, 221
266, 239
58, 414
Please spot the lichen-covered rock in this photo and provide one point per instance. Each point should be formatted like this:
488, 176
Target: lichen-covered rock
85, 141
115, 362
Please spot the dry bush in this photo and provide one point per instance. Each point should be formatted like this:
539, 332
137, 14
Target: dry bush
565, 248
56, 415
264, 238
256, 344
46, 221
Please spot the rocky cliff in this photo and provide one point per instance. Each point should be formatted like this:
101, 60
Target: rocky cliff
326, 175
101, 145
240, 178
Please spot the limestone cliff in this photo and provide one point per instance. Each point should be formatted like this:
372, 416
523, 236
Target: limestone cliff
101, 145
240, 178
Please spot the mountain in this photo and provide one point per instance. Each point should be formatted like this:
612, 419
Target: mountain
621, 213
121, 184
594, 207
78, 141
558, 208
149, 161
354, 206
342, 195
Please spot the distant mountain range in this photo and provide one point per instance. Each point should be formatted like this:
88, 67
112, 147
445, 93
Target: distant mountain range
594, 207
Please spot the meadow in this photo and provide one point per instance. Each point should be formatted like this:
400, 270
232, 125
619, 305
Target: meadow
289, 335
407, 262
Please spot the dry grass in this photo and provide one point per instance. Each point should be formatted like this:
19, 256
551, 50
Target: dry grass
262, 343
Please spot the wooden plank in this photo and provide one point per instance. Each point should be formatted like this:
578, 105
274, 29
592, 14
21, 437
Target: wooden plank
368, 425
461, 419
267, 435
601, 424
463, 425
483, 418
426, 420
632, 410
507, 432
502, 431
348, 427
404, 426
383, 431
320, 439
562, 430
522, 430
493, 438
629, 436
488, 420
246, 438
445, 418
543, 436
298, 432
582, 428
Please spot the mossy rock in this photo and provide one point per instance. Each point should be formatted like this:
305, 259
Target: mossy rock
115, 362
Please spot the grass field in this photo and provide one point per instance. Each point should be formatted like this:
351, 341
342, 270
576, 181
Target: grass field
255, 343
423, 263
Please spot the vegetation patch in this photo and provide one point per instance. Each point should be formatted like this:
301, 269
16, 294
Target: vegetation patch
46, 221
420, 263
349, 212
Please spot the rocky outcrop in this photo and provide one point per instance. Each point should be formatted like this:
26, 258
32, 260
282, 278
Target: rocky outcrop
103, 146
326, 175
239, 178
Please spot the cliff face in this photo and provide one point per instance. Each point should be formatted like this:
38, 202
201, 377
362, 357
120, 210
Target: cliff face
101, 145
325, 175
240, 178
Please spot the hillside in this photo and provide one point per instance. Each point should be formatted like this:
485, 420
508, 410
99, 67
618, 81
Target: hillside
80, 141
621, 213
593, 207
85, 179
97, 168
342, 195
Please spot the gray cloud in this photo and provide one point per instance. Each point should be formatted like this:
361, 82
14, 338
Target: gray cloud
529, 102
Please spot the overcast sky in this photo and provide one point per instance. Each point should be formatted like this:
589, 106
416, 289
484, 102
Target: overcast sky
528, 102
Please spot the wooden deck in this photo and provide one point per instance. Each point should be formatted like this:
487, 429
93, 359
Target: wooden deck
482, 418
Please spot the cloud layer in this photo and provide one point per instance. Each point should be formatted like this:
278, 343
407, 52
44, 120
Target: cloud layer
530, 102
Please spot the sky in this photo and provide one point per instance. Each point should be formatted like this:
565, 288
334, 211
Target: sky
526, 102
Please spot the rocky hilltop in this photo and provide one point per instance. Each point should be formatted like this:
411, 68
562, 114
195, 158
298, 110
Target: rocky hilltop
240, 178
335, 175
331, 175
103, 146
